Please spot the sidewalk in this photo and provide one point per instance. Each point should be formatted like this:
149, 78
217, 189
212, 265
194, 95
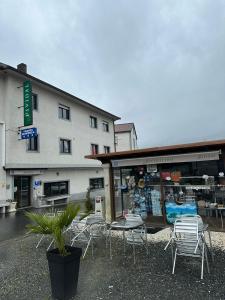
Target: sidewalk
26, 277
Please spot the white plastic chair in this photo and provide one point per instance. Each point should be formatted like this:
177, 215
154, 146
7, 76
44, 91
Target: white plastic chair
188, 241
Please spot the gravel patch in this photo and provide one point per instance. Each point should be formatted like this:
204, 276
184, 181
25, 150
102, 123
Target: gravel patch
24, 272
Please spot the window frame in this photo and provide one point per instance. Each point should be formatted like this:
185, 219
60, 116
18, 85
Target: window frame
97, 147
105, 126
92, 118
100, 185
70, 145
37, 144
55, 183
34, 95
108, 149
65, 109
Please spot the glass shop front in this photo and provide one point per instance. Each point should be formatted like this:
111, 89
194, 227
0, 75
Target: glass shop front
162, 192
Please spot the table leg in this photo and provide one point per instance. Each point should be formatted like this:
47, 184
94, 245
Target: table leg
124, 246
221, 216
110, 243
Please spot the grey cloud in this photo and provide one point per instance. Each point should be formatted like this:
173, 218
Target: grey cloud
159, 64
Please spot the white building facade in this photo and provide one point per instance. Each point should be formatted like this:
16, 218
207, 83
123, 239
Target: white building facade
125, 137
50, 167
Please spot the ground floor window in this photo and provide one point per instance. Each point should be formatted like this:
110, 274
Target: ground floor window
56, 188
96, 183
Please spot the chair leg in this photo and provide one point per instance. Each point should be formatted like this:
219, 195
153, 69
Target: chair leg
50, 244
203, 255
174, 261
39, 241
210, 244
92, 248
207, 261
110, 244
87, 247
134, 253
172, 252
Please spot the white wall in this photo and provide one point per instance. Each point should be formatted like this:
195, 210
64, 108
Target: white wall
123, 141
2, 171
51, 128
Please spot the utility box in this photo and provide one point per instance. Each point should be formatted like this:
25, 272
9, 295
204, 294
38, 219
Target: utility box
99, 206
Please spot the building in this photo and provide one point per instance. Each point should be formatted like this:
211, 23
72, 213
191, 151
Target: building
162, 183
49, 167
125, 137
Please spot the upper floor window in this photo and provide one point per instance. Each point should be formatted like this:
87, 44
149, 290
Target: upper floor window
64, 112
35, 101
105, 126
65, 146
93, 122
106, 149
94, 149
32, 144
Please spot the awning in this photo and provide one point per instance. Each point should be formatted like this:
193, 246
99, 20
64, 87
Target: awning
167, 159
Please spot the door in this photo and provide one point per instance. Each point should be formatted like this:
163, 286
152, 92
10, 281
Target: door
22, 191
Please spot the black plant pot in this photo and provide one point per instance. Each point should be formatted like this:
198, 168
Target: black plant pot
64, 271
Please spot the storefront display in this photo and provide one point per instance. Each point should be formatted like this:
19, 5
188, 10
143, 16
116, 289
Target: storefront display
169, 191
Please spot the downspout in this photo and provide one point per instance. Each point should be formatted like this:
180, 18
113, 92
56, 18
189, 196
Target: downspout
3, 142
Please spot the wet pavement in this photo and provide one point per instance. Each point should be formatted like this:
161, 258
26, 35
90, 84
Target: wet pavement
13, 225
24, 272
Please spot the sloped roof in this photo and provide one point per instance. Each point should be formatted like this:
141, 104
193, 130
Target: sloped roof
7, 68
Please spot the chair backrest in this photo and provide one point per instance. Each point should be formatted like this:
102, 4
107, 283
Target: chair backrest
186, 229
186, 238
191, 219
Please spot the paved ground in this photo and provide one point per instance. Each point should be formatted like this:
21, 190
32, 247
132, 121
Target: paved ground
24, 272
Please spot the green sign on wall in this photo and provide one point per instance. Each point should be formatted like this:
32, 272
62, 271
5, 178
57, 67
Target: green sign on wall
28, 110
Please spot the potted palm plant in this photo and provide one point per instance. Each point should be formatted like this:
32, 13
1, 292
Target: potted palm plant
63, 261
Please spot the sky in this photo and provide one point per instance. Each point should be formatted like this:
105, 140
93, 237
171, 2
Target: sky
157, 63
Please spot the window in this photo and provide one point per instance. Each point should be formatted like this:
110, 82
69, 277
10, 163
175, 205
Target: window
32, 144
96, 183
93, 122
94, 149
55, 188
35, 101
106, 149
65, 146
105, 126
64, 112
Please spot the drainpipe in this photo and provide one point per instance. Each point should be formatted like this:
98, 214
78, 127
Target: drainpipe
3, 143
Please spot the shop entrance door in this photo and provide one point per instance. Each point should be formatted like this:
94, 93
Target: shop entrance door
22, 191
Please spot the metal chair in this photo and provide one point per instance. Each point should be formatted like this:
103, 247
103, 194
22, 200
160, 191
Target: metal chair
88, 230
138, 236
187, 240
51, 214
202, 228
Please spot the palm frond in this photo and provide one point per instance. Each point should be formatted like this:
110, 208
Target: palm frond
44, 224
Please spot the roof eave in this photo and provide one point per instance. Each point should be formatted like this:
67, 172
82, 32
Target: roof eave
79, 101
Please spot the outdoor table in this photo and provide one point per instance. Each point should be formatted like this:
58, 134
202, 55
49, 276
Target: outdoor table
122, 225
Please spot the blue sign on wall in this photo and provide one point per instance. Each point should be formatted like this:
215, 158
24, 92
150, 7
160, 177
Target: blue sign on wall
28, 133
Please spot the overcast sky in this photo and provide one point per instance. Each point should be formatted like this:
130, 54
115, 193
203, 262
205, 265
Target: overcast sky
159, 64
